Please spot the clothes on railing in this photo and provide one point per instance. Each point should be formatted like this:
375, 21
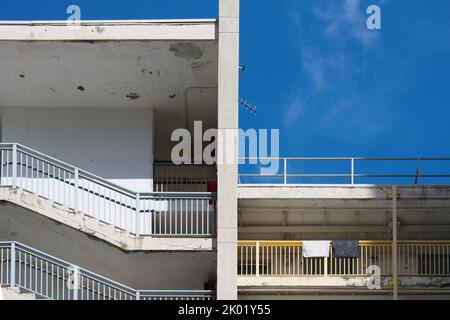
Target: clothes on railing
346, 248
285, 258
316, 249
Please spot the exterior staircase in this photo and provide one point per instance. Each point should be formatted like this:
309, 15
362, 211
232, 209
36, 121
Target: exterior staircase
28, 274
95, 206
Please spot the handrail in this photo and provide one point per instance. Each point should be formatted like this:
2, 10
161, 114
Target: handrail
361, 242
286, 259
145, 213
64, 165
170, 163
286, 176
179, 294
17, 267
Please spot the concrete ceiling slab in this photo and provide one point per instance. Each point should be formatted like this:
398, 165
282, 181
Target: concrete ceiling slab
156, 74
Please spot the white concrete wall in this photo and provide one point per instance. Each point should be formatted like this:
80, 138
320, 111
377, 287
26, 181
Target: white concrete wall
116, 144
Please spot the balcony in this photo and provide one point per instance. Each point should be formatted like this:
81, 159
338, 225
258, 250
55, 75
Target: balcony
168, 177
280, 264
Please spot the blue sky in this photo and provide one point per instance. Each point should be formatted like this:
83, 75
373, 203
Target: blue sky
330, 85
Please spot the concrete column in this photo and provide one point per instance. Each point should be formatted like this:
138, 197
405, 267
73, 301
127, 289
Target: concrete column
227, 149
394, 243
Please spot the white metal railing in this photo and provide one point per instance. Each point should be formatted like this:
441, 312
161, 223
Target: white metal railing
178, 295
52, 278
344, 170
285, 258
142, 214
168, 177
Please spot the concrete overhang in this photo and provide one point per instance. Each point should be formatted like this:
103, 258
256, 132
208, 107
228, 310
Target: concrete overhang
200, 29
166, 64
339, 211
335, 196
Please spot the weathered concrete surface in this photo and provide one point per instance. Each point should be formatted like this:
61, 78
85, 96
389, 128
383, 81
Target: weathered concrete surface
8, 293
95, 229
341, 288
109, 74
337, 281
110, 30
341, 192
344, 295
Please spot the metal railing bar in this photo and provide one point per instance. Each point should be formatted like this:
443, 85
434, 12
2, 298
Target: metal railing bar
107, 281
170, 163
66, 166
343, 159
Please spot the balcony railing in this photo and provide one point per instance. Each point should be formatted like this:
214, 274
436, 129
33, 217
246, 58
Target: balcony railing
52, 278
168, 177
285, 259
164, 214
312, 171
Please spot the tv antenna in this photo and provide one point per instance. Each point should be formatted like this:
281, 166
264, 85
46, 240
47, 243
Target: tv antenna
242, 101
247, 105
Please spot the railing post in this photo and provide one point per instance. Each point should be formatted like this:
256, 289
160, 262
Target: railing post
76, 190
13, 265
285, 171
394, 243
418, 171
257, 258
138, 214
76, 282
352, 171
14, 166
325, 267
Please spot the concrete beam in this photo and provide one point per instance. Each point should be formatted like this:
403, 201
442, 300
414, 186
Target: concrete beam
270, 283
109, 30
314, 229
341, 192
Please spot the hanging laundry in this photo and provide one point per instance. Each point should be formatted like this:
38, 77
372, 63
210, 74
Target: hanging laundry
346, 248
316, 249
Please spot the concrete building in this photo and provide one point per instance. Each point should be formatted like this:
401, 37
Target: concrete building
93, 207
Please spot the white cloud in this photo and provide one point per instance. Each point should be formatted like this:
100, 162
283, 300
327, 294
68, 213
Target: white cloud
324, 31
345, 18
294, 111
